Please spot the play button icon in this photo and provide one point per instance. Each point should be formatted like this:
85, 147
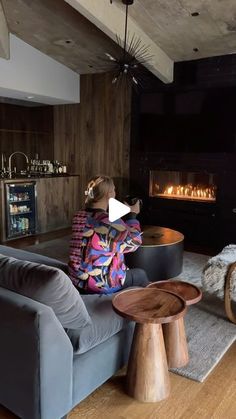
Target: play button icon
117, 209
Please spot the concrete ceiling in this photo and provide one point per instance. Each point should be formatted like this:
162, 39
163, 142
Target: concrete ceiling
170, 24
57, 29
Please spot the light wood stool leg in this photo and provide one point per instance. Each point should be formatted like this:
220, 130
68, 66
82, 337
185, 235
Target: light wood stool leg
147, 374
227, 295
175, 343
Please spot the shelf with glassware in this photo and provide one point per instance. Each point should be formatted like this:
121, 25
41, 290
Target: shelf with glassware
34, 167
20, 209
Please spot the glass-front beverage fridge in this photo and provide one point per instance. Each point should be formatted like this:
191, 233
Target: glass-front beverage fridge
20, 209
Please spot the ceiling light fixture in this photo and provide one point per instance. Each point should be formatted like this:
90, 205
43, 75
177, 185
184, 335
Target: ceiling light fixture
128, 67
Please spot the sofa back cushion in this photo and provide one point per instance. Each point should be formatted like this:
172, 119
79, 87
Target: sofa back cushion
33, 257
49, 286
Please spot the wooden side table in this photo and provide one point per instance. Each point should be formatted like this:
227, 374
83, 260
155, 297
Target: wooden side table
147, 373
174, 332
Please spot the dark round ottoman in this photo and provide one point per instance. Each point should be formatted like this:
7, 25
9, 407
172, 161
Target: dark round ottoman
160, 255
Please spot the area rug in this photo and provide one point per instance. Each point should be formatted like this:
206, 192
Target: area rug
56, 248
209, 332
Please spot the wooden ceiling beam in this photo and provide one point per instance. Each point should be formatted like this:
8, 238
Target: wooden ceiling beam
110, 19
4, 35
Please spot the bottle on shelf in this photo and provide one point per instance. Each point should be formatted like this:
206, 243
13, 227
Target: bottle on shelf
55, 170
26, 224
60, 168
14, 223
50, 167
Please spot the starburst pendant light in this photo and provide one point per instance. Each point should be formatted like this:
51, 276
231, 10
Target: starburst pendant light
129, 66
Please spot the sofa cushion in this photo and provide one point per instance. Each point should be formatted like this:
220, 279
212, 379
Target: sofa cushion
45, 284
105, 323
32, 257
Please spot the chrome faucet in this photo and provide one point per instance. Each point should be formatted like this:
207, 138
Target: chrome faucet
9, 161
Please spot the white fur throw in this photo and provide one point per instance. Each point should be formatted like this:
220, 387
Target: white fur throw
214, 273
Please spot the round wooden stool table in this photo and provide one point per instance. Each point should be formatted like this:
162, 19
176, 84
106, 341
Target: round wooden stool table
174, 332
147, 373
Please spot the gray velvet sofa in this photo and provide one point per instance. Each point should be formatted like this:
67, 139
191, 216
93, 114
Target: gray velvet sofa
56, 346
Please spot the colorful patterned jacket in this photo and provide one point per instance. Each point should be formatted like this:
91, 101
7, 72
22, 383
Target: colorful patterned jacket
97, 247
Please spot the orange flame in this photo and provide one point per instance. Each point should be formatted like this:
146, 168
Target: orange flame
189, 191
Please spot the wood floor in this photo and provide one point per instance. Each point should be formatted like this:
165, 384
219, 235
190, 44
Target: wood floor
214, 398
31, 240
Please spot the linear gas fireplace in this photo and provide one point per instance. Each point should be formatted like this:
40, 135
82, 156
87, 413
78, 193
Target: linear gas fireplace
183, 185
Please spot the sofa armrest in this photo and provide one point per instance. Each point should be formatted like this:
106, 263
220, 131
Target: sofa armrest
36, 359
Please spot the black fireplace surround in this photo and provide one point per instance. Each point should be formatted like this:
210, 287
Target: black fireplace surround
210, 223
188, 126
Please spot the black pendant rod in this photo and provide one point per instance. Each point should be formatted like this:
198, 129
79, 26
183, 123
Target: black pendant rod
126, 25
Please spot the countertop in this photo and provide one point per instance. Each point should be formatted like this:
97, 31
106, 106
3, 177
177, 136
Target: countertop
35, 178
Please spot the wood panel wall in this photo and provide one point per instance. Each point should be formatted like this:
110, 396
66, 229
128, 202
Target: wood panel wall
26, 129
91, 137
57, 202
94, 136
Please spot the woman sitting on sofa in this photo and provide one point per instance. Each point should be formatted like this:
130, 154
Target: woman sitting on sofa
97, 247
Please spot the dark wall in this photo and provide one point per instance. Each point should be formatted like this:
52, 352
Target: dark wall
198, 120
189, 125
26, 129
207, 72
